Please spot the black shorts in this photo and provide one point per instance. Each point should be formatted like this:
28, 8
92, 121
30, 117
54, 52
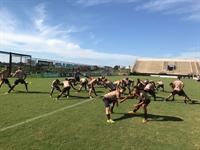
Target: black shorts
19, 81
127, 85
146, 102
180, 93
6, 81
56, 87
160, 86
107, 101
90, 86
65, 89
151, 92
77, 79
84, 83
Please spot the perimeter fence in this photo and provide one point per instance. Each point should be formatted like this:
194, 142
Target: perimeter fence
50, 68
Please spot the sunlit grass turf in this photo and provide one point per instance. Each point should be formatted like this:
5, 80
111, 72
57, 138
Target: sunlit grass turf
78, 123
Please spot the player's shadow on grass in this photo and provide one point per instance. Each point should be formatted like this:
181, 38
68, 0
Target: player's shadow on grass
33, 92
73, 97
101, 86
158, 98
151, 117
181, 101
196, 101
167, 92
99, 92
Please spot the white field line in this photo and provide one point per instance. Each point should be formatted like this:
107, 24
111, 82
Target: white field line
41, 116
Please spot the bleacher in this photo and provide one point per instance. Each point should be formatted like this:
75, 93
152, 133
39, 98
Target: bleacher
166, 66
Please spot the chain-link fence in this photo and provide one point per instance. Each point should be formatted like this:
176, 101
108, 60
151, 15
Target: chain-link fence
40, 65
68, 68
14, 60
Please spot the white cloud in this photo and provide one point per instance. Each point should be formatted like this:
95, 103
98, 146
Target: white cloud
189, 8
189, 55
44, 38
91, 35
8, 21
167, 56
91, 3
183, 55
87, 3
192, 53
39, 15
192, 17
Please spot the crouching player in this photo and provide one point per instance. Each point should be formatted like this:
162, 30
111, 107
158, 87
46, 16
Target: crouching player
55, 85
112, 97
66, 88
144, 101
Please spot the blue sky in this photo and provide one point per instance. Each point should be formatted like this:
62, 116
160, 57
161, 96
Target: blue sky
101, 32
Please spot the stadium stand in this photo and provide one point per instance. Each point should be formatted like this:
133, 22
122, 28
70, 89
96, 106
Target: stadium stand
166, 66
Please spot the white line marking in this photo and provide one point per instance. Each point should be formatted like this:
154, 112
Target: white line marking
53, 112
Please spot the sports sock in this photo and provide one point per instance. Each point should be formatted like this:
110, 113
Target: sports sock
145, 116
111, 109
11, 88
108, 116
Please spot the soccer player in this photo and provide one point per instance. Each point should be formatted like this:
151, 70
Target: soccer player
66, 88
55, 85
77, 77
127, 82
149, 88
83, 83
4, 77
117, 83
141, 84
91, 87
120, 83
90, 77
112, 97
101, 80
160, 84
172, 86
108, 84
72, 80
178, 89
144, 102
21, 76
198, 79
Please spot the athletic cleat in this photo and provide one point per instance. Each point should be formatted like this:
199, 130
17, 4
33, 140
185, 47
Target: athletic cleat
165, 100
55, 99
50, 96
131, 112
110, 121
144, 120
67, 96
90, 97
185, 103
6, 93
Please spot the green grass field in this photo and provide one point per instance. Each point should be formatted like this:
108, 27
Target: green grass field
33, 121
